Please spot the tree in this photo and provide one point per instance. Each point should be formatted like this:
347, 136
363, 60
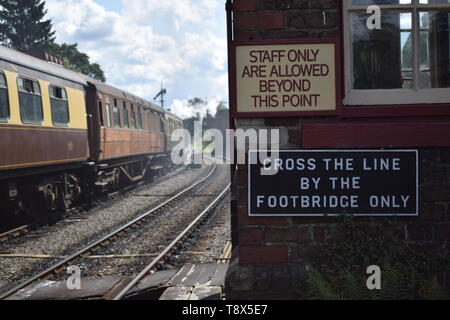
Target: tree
22, 26
77, 61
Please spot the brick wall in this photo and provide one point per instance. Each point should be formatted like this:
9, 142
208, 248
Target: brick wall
285, 19
270, 254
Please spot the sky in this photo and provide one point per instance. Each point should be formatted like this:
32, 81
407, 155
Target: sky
143, 43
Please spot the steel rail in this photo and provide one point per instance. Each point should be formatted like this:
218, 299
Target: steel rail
172, 246
14, 233
90, 248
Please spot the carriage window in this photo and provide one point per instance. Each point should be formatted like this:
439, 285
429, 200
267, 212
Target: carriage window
410, 52
100, 114
133, 118
139, 119
4, 101
126, 122
108, 115
59, 105
30, 101
116, 112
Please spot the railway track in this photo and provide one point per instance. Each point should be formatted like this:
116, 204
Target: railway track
14, 233
174, 246
128, 227
23, 230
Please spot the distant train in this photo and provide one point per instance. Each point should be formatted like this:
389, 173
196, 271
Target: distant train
65, 138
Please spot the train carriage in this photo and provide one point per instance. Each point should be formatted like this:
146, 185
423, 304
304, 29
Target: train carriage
65, 138
172, 123
42, 117
43, 135
127, 138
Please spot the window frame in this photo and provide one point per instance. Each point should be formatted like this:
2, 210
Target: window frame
40, 95
378, 97
57, 124
8, 102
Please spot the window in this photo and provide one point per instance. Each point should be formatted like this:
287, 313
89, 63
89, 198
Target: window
116, 112
59, 105
100, 114
133, 118
4, 101
140, 119
406, 61
30, 101
108, 115
126, 122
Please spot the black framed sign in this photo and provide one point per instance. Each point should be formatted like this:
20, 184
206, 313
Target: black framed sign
334, 182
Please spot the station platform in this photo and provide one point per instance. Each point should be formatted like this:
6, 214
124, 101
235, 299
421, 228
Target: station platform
191, 282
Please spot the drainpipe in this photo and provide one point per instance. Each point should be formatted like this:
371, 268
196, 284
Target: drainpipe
229, 9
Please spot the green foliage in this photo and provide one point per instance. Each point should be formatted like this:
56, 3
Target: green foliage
77, 61
433, 291
407, 271
22, 26
352, 286
320, 288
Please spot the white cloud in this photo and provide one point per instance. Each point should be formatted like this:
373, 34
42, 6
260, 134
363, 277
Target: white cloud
184, 110
180, 13
181, 43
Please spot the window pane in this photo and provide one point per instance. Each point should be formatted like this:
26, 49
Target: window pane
108, 115
126, 123
100, 114
435, 49
36, 89
30, 101
59, 105
2, 81
4, 108
381, 56
116, 113
30, 108
116, 117
133, 120
21, 84
60, 111
4, 103
140, 120
406, 21
424, 20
